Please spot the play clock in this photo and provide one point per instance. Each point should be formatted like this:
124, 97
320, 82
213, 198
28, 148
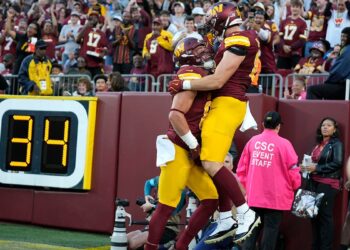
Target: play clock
47, 141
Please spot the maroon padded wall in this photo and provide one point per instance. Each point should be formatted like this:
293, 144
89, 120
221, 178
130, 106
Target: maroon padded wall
93, 210
143, 117
300, 121
16, 204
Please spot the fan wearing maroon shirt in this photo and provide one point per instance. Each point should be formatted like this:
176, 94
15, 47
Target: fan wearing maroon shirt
7, 45
93, 44
293, 36
313, 63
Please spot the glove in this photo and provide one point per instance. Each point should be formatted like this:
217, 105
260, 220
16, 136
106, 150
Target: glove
175, 86
195, 155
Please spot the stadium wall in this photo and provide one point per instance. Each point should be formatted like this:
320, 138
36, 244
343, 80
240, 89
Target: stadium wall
124, 157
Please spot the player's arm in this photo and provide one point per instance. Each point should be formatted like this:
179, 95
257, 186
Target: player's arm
182, 102
230, 62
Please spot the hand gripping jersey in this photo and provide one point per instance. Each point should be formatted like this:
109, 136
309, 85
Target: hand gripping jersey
199, 108
248, 71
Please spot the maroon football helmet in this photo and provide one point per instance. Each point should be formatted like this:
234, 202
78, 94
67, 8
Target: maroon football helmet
221, 16
184, 53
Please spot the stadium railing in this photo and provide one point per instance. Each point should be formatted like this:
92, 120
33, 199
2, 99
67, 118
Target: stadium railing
62, 84
141, 82
311, 79
270, 84
163, 82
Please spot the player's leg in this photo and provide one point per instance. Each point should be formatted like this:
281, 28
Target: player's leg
202, 185
218, 130
172, 181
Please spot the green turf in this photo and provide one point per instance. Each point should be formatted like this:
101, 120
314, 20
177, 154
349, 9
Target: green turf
15, 234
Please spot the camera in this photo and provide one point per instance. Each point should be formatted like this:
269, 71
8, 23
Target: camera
141, 201
123, 203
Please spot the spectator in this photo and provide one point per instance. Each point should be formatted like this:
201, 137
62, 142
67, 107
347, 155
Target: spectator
198, 15
327, 65
189, 31
123, 45
179, 16
138, 83
338, 21
293, 36
93, 44
25, 42
7, 45
80, 68
313, 63
206, 5
34, 73
8, 61
117, 82
68, 35
157, 50
319, 15
325, 172
50, 36
268, 35
334, 86
298, 89
94, 5
167, 25
267, 170
101, 83
142, 22
84, 87
345, 236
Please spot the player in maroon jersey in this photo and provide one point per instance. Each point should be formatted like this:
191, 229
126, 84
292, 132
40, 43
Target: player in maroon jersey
238, 64
93, 44
293, 37
187, 110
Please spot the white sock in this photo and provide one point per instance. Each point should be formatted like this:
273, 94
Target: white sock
225, 215
242, 208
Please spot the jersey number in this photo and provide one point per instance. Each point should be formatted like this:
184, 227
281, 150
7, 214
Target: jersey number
9, 42
94, 38
289, 32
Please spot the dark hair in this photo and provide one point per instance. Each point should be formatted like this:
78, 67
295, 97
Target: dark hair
189, 18
164, 12
100, 77
272, 119
87, 83
319, 136
346, 31
117, 81
38, 29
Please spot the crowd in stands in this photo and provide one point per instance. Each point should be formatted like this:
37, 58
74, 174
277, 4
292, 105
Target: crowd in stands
94, 37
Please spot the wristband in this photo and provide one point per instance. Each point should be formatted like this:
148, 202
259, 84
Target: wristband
190, 140
186, 85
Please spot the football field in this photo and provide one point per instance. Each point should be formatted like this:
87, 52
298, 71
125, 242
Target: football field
28, 237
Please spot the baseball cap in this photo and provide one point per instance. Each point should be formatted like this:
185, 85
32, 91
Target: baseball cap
272, 119
40, 44
75, 13
198, 11
259, 5
179, 3
118, 17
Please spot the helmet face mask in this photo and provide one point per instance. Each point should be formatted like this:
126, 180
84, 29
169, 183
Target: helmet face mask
191, 51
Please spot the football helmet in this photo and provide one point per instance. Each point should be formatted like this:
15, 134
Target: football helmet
187, 52
221, 16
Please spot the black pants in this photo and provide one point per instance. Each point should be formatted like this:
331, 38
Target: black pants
326, 91
122, 68
322, 225
287, 62
95, 71
271, 220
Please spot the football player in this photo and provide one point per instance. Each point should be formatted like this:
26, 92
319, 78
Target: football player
187, 110
237, 62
